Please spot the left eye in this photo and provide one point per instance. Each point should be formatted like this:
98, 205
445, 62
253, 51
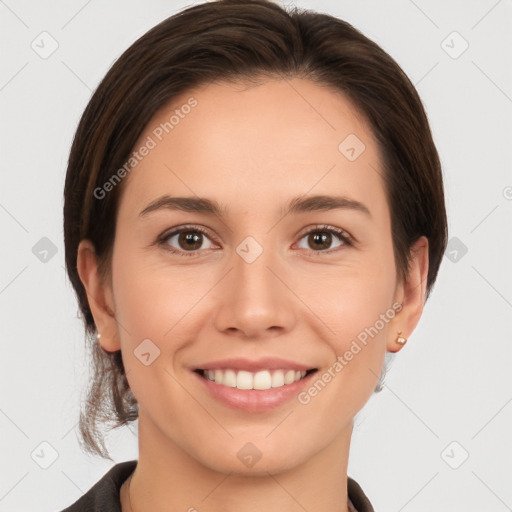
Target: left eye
322, 237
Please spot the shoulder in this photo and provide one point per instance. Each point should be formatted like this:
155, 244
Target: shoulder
357, 498
104, 495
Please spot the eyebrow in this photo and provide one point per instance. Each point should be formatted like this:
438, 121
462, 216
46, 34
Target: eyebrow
297, 205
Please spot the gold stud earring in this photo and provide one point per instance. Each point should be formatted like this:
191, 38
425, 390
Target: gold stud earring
401, 340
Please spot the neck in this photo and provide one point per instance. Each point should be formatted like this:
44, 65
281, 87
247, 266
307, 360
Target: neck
169, 478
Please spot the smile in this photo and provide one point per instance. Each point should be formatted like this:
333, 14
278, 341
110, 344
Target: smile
261, 380
253, 385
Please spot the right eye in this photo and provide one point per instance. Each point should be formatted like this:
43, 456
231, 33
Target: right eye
189, 240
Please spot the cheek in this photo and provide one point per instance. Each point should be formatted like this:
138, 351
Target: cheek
359, 307
360, 319
150, 297
149, 306
355, 298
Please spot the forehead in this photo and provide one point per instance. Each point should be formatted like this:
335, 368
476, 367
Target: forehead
250, 143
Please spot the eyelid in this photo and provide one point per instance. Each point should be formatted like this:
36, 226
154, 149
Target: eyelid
185, 227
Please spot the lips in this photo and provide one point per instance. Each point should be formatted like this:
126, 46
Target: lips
253, 391
265, 363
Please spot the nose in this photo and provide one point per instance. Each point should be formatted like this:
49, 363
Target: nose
254, 301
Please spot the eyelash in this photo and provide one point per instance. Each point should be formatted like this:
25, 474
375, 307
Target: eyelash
340, 233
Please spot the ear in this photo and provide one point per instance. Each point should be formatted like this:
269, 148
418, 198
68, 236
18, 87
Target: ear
99, 296
411, 294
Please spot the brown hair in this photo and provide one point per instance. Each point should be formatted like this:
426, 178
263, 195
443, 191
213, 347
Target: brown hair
229, 40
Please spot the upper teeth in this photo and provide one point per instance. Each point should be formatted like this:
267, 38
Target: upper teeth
259, 380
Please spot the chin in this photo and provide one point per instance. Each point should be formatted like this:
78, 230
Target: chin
248, 460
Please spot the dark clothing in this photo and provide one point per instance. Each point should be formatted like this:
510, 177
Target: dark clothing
104, 495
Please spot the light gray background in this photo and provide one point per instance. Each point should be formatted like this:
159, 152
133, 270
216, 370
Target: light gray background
452, 381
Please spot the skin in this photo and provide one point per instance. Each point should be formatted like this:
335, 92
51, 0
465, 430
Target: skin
251, 148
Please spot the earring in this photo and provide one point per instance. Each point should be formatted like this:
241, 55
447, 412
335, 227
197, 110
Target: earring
98, 336
400, 339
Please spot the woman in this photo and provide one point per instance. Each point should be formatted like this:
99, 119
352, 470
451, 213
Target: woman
254, 216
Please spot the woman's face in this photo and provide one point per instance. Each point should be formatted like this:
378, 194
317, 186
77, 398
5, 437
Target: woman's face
275, 280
